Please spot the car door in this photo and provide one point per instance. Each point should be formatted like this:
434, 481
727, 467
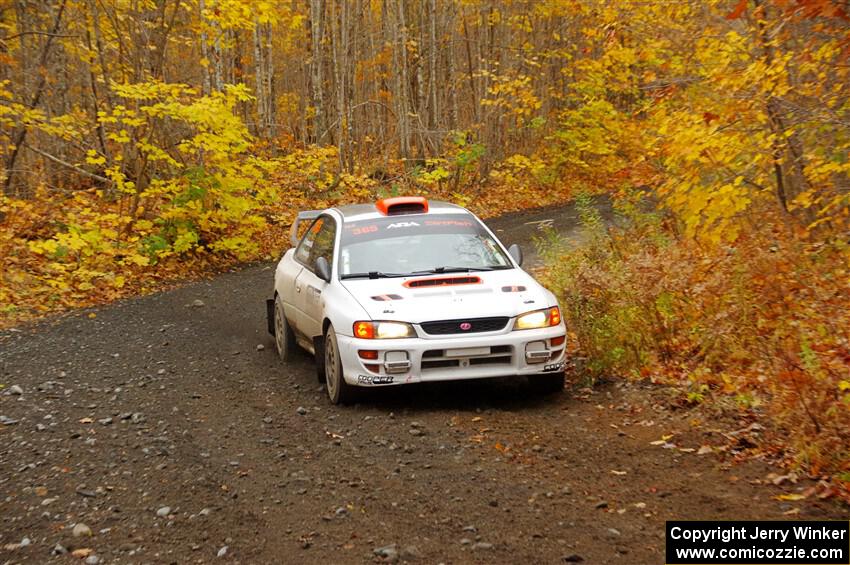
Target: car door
294, 296
288, 270
308, 285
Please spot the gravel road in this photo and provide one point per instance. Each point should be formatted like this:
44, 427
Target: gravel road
165, 430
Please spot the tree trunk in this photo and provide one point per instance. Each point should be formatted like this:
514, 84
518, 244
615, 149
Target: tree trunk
260, 82
421, 102
434, 111
403, 105
787, 148
316, 32
101, 136
271, 113
218, 62
450, 80
338, 25
470, 72
205, 51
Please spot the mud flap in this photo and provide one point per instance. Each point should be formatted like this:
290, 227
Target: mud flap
319, 348
270, 315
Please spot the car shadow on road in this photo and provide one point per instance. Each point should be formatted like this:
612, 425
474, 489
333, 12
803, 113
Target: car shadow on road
508, 393
500, 393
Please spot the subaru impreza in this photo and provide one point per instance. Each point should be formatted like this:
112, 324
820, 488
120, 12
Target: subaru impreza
407, 291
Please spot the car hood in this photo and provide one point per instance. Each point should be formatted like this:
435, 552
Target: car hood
453, 296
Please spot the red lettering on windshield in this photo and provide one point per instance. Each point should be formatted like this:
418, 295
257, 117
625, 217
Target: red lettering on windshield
364, 230
465, 224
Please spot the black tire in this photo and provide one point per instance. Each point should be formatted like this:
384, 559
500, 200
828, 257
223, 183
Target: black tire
284, 337
547, 383
339, 391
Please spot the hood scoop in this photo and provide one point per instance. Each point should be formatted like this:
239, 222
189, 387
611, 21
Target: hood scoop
445, 281
386, 297
513, 289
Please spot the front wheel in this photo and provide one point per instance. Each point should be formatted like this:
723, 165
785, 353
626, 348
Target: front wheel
339, 391
547, 383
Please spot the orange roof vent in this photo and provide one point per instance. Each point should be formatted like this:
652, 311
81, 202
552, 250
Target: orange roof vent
402, 205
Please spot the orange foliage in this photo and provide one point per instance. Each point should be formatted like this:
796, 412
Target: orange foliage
764, 322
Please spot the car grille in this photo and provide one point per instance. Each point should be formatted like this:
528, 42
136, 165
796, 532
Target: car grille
477, 325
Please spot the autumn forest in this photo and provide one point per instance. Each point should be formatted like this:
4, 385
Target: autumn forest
145, 142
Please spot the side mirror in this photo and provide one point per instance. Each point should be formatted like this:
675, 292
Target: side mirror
516, 253
323, 269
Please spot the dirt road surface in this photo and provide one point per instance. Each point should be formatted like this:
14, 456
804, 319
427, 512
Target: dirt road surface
165, 430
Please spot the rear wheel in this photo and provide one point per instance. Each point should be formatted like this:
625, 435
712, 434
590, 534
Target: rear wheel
284, 337
547, 383
339, 391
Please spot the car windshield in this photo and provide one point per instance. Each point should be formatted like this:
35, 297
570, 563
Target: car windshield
405, 245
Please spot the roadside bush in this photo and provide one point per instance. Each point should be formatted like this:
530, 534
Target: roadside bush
762, 323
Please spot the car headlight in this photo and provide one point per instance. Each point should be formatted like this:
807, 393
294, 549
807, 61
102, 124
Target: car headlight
383, 330
545, 318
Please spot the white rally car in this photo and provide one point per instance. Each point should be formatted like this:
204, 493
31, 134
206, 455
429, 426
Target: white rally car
408, 291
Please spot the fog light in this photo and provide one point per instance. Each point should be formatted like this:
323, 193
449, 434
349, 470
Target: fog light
558, 340
396, 362
536, 352
368, 354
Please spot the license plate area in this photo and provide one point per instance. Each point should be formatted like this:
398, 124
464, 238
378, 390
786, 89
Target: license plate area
466, 358
467, 352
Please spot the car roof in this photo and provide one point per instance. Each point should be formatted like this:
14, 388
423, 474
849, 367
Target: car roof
358, 212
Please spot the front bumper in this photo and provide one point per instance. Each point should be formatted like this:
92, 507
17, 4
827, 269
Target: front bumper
447, 358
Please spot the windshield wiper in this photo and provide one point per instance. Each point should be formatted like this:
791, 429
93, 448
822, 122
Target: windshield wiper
434, 271
372, 275
439, 270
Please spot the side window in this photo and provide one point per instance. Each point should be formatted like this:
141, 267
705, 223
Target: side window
302, 253
324, 244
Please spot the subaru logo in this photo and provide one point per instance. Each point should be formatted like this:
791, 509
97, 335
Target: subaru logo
465, 326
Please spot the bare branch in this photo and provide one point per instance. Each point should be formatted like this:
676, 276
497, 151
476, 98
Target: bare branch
64, 163
47, 33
